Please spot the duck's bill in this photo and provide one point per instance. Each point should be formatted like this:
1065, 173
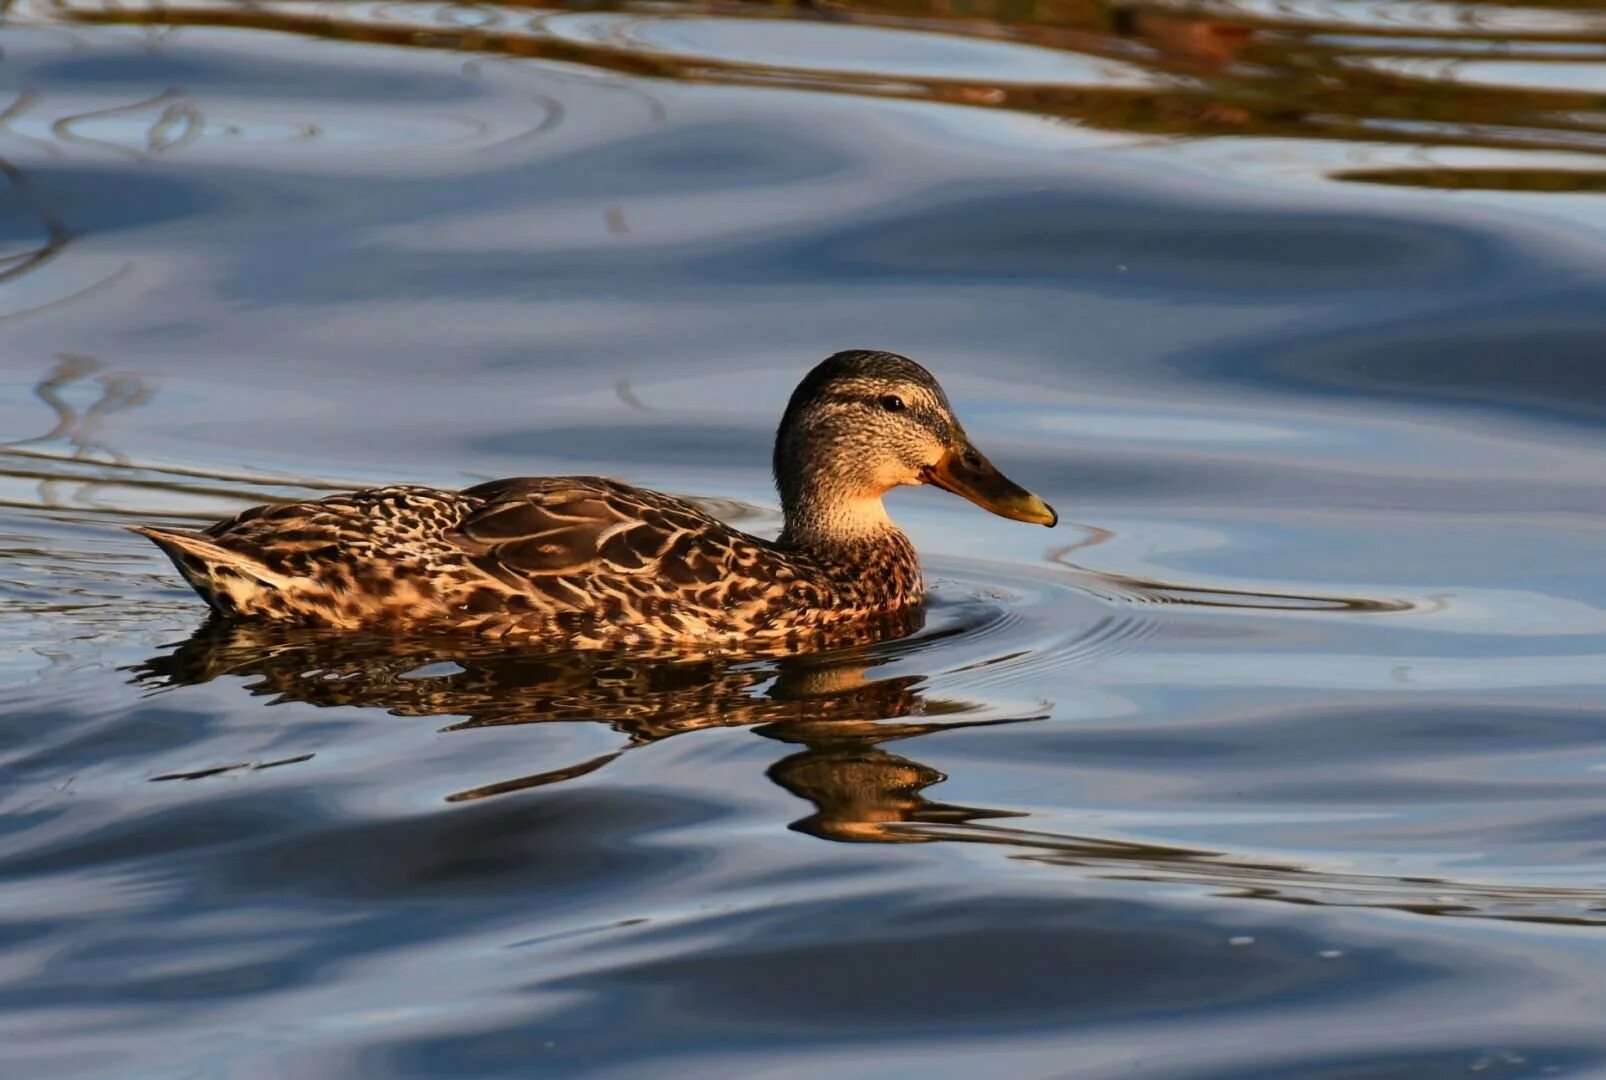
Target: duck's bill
968, 474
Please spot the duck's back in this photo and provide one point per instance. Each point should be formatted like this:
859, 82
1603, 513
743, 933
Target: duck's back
582, 559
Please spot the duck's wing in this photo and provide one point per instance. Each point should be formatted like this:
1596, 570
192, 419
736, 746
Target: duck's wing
594, 551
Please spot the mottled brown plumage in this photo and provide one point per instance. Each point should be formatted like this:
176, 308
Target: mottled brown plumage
587, 561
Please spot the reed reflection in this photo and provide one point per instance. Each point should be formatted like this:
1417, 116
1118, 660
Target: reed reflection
177, 124
76, 463
52, 235
1416, 78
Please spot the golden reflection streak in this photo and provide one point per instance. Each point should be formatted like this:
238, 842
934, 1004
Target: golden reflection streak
1545, 181
1234, 72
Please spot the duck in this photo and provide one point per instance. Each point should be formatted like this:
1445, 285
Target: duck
590, 562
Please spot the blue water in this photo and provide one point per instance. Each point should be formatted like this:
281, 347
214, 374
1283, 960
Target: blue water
1284, 756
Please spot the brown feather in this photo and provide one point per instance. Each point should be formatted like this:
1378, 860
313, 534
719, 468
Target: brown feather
592, 562
589, 560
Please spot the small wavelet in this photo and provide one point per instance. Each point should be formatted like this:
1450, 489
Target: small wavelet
1130, 588
1266, 879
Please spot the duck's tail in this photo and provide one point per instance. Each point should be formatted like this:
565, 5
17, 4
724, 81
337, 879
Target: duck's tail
232, 581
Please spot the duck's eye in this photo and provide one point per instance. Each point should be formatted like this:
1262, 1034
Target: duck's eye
892, 403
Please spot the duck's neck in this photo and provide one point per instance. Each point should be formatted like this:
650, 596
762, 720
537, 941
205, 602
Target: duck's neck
814, 522
856, 543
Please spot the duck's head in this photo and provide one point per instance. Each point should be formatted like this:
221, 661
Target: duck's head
862, 423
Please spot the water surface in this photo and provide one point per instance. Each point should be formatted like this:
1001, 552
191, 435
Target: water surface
1282, 756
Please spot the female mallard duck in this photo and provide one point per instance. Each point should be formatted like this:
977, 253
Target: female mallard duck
591, 562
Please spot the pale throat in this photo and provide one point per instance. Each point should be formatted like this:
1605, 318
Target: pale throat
859, 518
833, 510
839, 521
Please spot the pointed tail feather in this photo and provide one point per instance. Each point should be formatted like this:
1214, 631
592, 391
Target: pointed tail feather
231, 581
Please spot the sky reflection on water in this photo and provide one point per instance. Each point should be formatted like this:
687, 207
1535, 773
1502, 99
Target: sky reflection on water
1281, 757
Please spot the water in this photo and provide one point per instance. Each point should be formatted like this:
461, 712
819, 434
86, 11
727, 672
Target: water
1284, 756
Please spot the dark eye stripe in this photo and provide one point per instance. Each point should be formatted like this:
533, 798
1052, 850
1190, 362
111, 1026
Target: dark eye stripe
925, 415
933, 420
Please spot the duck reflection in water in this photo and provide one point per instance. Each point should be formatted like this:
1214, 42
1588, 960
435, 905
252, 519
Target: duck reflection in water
827, 703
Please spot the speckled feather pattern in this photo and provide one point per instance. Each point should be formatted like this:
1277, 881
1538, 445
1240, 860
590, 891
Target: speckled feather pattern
580, 561
585, 560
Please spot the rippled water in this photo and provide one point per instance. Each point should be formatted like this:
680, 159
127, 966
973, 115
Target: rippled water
1285, 756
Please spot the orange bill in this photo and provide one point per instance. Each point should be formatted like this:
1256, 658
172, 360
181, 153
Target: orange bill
966, 472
